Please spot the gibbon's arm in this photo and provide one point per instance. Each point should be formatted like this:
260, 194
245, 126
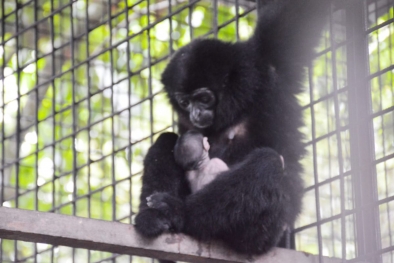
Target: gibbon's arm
288, 30
161, 174
161, 170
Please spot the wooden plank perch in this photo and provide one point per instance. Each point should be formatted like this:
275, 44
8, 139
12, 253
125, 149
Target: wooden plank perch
121, 238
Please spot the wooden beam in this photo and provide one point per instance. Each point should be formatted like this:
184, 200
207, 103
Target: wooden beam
77, 232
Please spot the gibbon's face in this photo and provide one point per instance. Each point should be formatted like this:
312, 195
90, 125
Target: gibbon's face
200, 106
197, 83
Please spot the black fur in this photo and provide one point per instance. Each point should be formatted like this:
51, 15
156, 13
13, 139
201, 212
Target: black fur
255, 83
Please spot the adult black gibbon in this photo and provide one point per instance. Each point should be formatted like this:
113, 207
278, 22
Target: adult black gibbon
242, 96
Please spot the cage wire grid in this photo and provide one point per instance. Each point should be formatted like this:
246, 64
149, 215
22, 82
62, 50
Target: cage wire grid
81, 102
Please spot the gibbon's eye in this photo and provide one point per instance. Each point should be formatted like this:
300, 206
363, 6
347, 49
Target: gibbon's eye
184, 103
204, 96
205, 99
183, 100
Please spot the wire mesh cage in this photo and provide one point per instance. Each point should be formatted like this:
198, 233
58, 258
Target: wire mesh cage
81, 102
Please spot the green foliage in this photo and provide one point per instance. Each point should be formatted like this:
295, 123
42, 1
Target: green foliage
94, 121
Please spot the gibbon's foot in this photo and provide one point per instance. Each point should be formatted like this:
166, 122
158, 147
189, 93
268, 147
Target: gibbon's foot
170, 206
151, 223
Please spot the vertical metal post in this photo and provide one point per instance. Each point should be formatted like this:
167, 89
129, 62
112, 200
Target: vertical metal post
361, 133
37, 94
2, 106
215, 19
54, 92
74, 119
148, 31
